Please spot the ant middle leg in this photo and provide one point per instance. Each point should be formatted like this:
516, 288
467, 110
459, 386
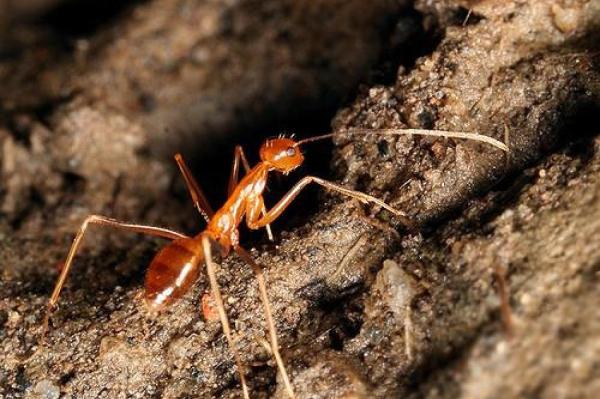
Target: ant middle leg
238, 156
216, 292
102, 221
262, 288
198, 197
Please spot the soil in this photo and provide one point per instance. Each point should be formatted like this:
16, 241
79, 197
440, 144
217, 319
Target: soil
96, 99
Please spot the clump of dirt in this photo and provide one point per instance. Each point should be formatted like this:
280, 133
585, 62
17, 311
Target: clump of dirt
364, 307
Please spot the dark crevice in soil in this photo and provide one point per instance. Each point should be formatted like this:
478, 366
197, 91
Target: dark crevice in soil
20, 120
453, 361
36, 200
409, 40
77, 19
465, 17
348, 323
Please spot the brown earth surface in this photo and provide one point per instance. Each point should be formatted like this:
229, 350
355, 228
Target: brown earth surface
96, 99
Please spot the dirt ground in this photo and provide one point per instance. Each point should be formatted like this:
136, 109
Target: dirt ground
95, 99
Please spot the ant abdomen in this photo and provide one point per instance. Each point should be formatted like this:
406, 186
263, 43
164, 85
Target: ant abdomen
172, 272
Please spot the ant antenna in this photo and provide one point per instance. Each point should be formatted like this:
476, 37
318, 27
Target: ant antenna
415, 132
314, 138
436, 133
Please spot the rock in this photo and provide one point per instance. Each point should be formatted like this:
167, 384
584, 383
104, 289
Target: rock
45, 390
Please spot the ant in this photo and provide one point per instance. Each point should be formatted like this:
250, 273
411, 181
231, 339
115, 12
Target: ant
176, 266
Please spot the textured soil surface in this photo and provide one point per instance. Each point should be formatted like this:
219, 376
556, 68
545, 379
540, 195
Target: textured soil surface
96, 99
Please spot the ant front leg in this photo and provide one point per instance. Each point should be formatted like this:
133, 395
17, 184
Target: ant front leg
233, 180
198, 197
286, 200
102, 221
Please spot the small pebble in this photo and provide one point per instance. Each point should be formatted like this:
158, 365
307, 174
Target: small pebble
46, 389
566, 19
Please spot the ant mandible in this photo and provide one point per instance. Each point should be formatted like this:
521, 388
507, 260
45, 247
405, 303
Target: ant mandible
176, 266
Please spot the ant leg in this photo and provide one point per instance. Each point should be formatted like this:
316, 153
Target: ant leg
103, 221
505, 308
348, 256
198, 197
233, 180
262, 287
285, 201
238, 156
214, 286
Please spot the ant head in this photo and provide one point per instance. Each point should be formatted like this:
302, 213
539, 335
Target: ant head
282, 154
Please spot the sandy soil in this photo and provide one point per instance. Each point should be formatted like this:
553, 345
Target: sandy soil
93, 107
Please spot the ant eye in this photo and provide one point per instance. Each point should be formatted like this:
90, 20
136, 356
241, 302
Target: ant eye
291, 151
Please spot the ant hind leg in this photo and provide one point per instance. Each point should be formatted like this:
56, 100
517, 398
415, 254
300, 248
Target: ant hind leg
262, 287
102, 221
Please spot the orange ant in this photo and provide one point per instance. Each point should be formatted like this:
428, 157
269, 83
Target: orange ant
176, 266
